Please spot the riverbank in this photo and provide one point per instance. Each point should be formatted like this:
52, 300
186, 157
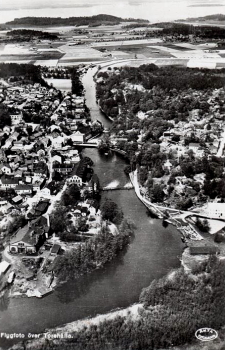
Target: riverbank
139, 317
58, 335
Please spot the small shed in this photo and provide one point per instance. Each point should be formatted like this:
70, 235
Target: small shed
55, 249
204, 250
18, 199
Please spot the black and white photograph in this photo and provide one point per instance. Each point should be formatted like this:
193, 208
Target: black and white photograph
112, 175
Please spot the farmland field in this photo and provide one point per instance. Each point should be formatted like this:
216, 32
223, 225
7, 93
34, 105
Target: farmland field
61, 84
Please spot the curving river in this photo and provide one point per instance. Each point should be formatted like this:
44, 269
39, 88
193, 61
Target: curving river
154, 251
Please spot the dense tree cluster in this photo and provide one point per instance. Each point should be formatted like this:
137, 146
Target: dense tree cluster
71, 21
77, 86
28, 35
111, 211
202, 225
17, 222
5, 118
174, 308
185, 29
26, 72
71, 195
94, 253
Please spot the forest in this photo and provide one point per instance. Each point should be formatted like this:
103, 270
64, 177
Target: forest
77, 86
202, 32
71, 21
173, 309
28, 35
216, 17
28, 72
5, 118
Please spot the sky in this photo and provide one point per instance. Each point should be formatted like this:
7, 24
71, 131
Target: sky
35, 4
154, 10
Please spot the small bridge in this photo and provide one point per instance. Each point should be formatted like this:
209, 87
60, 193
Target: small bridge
118, 188
119, 151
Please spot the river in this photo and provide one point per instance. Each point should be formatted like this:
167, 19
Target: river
154, 251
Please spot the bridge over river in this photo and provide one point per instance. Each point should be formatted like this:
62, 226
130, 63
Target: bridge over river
117, 188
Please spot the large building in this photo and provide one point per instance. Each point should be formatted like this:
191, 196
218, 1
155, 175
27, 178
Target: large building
29, 238
215, 210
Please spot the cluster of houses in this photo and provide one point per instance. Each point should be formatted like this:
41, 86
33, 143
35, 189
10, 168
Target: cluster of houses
70, 113
205, 131
33, 152
27, 97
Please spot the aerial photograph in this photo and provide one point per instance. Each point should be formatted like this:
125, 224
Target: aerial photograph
112, 175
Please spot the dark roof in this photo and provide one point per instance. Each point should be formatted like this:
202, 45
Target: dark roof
9, 180
204, 250
79, 169
25, 234
40, 222
42, 206
23, 187
55, 249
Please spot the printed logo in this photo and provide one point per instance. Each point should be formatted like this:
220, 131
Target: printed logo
206, 334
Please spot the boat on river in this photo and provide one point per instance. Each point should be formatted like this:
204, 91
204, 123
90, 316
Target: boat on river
11, 277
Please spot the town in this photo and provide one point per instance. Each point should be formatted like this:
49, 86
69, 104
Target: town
42, 169
112, 183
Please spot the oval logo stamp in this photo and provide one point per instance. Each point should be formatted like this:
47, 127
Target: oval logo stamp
206, 334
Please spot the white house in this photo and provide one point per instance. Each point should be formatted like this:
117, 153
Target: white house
16, 118
57, 158
5, 168
195, 147
167, 165
78, 137
23, 189
75, 179
45, 192
58, 142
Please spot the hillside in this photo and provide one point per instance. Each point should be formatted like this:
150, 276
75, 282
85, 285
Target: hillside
170, 311
71, 21
217, 17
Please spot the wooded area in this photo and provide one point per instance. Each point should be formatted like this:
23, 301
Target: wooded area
174, 308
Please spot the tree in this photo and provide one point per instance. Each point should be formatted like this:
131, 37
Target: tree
110, 211
5, 118
157, 193
57, 219
203, 225
71, 195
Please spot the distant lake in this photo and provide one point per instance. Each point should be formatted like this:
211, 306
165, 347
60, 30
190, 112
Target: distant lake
155, 11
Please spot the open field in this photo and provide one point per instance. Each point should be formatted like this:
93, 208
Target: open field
66, 51
204, 23
61, 84
48, 63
